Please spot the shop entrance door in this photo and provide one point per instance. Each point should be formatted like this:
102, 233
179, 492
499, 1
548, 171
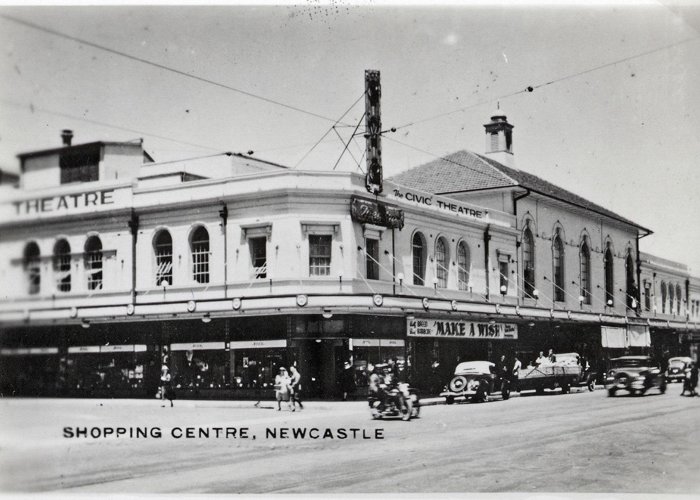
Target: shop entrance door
319, 361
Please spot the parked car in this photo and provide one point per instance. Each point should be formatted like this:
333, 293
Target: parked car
676, 369
634, 374
475, 381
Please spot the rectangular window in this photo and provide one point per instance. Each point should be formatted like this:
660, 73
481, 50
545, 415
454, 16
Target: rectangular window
320, 255
647, 296
503, 272
93, 268
258, 257
80, 166
372, 257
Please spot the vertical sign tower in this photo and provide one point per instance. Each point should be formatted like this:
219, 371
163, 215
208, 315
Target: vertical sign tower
373, 129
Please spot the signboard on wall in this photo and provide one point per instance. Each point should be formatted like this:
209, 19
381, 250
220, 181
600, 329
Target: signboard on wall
377, 213
445, 328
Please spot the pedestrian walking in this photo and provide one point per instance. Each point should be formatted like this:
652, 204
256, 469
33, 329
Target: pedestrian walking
347, 380
517, 365
282, 392
166, 388
295, 385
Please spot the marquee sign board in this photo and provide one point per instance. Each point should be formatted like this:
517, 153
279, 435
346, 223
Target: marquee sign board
377, 213
443, 328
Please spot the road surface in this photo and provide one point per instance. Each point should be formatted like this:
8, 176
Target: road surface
578, 442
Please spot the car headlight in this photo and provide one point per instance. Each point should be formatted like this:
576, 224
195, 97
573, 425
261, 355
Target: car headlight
473, 385
639, 377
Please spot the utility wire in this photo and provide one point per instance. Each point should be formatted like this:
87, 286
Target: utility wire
329, 130
33, 109
359, 122
160, 66
531, 88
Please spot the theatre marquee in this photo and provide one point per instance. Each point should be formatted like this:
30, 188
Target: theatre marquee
443, 328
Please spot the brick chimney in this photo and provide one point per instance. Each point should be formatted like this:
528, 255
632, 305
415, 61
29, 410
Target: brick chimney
67, 137
499, 139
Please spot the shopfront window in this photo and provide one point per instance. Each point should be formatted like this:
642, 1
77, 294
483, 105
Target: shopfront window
93, 263
320, 254
198, 366
199, 247
254, 367
32, 268
111, 368
61, 265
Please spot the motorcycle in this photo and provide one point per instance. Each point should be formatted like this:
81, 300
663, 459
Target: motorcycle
395, 401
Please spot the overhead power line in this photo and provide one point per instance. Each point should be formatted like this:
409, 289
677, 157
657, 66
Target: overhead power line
160, 66
532, 88
332, 127
33, 109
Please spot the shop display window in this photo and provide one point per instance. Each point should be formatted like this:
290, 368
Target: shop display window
198, 369
256, 368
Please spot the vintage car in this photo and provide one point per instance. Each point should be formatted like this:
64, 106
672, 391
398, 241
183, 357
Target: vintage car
565, 372
634, 374
676, 369
473, 380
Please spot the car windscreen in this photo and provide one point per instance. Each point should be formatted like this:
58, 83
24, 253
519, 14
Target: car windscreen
676, 363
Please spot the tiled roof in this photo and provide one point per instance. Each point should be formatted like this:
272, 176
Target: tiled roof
466, 171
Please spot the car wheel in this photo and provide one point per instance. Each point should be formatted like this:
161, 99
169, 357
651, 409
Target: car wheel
611, 392
449, 400
662, 388
539, 390
458, 383
565, 389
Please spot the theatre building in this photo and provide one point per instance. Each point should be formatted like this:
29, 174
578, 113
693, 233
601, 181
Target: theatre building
227, 267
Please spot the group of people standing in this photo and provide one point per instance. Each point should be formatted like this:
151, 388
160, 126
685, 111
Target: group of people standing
288, 388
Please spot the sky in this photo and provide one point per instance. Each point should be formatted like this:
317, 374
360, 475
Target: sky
613, 115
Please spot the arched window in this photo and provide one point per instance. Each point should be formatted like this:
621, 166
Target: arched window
199, 247
93, 263
558, 261
418, 259
441, 262
679, 298
585, 270
32, 267
671, 297
664, 294
463, 265
609, 276
629, 280
163, 250
61, 265
528, 262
